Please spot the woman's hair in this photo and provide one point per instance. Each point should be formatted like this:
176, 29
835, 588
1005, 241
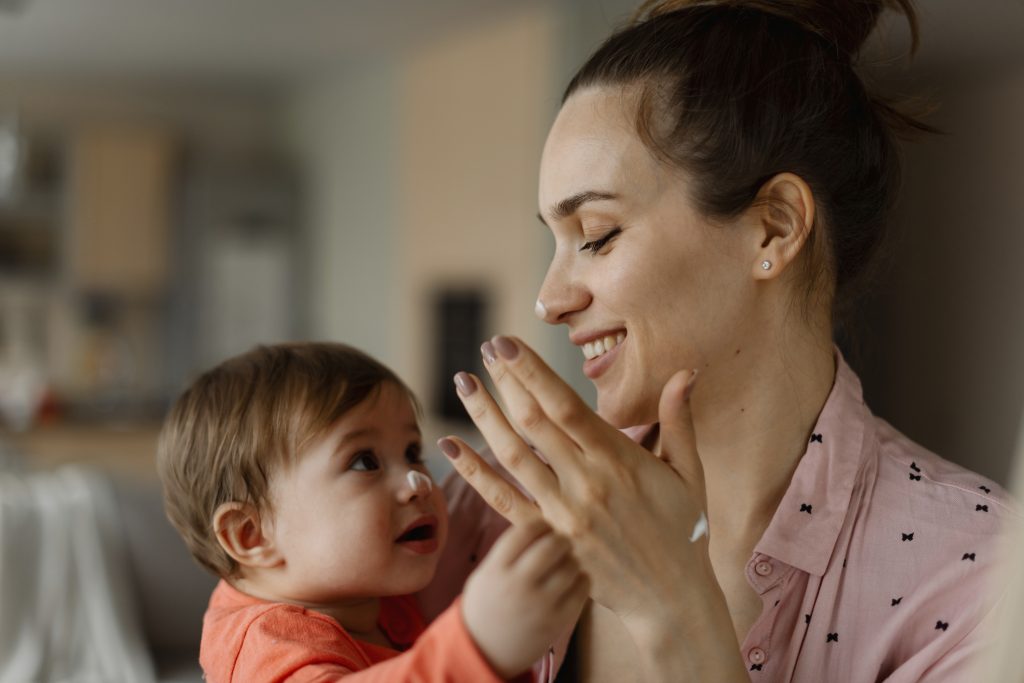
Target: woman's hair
244, 419
734, 92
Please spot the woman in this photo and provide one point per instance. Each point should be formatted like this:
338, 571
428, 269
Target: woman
716, 181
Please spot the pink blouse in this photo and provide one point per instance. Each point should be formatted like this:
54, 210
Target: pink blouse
876, 566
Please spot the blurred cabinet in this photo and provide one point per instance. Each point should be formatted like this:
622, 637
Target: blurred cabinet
89, 222
119, 210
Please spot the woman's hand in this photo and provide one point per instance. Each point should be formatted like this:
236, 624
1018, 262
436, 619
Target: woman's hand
629, 514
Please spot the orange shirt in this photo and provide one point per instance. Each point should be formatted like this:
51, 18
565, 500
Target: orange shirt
247, 640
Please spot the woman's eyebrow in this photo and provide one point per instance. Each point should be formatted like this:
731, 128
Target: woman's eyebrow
571, 205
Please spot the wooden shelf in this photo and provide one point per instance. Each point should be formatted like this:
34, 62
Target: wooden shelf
129, 450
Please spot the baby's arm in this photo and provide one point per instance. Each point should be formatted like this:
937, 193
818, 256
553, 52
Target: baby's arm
444, 652
528, 591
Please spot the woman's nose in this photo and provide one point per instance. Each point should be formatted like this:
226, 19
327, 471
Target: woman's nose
561, 294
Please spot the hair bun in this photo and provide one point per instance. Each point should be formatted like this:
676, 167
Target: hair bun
846, 23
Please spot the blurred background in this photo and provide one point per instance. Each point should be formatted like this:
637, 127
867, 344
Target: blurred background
182, 180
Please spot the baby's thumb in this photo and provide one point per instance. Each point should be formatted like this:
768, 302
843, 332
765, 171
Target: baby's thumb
678, 439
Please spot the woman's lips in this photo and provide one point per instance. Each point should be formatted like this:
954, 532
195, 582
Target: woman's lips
595, 367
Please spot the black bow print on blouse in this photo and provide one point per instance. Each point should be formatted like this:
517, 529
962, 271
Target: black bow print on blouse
804, 507
914, 467
896, 601
816, 437
941, 625
985, 489
832, 638
968, 556
981, 508
915, 477
756, 667
908, 537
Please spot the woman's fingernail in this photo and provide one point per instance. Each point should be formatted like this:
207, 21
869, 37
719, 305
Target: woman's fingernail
507, 348
487, 351
688, 389
448, 447
464, 383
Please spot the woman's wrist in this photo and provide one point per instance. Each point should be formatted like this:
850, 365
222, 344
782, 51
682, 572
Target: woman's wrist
691, 640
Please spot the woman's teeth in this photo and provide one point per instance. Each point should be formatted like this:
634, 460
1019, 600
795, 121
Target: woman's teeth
601, 346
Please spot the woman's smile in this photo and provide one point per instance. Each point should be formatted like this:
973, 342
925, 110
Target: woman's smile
601, 352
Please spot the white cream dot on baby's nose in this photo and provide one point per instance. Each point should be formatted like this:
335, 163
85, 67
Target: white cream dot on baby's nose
419, 482
540, 310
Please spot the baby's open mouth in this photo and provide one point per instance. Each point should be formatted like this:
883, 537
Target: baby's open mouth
423, 529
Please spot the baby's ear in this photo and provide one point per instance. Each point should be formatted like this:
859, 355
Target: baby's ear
240, 532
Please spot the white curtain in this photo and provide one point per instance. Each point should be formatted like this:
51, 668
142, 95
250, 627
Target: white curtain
67, 610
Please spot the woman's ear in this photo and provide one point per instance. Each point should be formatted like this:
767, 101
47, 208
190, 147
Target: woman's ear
784, 210
242, 535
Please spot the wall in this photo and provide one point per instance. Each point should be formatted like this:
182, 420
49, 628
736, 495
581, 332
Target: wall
342, 131
946, 331
422, 173
473, 120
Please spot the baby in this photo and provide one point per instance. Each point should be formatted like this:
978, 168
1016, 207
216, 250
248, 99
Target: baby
295, 473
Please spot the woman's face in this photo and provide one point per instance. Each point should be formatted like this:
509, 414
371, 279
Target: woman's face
636, 268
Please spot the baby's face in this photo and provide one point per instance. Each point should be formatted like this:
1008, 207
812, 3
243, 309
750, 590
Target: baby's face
346, 519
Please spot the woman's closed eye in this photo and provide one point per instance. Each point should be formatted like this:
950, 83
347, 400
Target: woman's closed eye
595, 246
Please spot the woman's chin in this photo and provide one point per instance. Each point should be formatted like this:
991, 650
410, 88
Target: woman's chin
623, 414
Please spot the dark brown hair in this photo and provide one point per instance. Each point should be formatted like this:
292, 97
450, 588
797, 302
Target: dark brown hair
736, 91
240, 421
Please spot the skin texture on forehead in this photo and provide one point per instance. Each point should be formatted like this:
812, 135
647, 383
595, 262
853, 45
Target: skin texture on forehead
595, 129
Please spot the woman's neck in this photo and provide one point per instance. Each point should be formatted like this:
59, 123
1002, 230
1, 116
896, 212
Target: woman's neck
753, 431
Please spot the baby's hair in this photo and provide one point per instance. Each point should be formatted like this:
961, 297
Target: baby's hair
253, 413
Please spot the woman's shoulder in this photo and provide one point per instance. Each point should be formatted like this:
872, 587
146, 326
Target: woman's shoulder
925, 554
939, 489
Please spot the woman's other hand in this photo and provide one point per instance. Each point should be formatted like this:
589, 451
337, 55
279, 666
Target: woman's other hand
527, 592
629, 515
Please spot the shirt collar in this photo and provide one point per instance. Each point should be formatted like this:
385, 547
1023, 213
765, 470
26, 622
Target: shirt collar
806, 525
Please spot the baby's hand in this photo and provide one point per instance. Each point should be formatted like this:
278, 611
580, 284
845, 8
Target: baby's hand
527, 591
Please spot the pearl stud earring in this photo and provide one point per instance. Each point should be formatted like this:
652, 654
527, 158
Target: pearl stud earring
766, 265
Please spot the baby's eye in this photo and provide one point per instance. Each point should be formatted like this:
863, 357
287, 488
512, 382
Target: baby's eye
414, 454
365, 461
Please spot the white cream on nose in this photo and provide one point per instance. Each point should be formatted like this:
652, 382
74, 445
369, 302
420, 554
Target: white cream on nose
540, 310
420, 483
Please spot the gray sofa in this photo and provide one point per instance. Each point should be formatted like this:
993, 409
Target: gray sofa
171, 589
